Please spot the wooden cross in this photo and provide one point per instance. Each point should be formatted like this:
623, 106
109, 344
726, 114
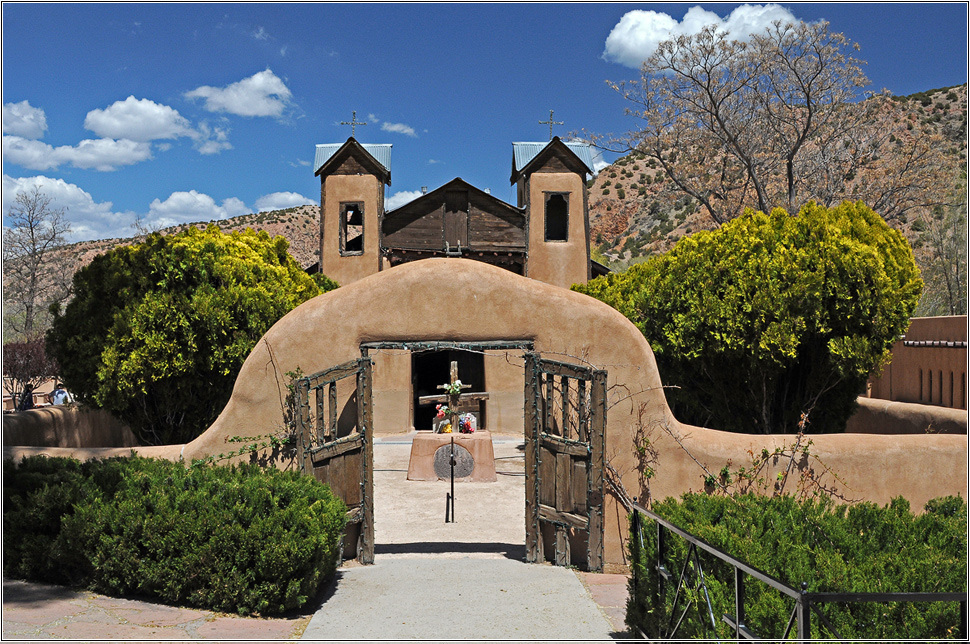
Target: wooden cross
453, 397
353, 123
550, 123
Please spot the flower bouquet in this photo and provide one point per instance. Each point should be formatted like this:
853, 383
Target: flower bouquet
442, 426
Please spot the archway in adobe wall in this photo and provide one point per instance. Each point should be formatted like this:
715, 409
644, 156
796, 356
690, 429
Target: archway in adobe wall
462, 300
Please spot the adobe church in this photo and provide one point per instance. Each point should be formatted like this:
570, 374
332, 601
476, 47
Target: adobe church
545, 236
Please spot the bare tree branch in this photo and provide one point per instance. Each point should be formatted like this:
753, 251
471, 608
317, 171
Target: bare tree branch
32, 230
776, 122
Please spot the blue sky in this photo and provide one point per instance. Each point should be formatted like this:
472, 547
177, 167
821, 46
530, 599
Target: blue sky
191, 112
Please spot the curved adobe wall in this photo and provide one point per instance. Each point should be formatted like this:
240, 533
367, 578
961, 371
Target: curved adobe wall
406, 303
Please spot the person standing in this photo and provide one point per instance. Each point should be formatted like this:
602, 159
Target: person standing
26, 399
60, 396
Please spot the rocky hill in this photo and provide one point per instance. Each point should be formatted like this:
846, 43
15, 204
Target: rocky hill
299, 225
635, 211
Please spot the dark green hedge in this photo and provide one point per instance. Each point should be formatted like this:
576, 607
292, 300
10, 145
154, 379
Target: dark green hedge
856, 548
233, 539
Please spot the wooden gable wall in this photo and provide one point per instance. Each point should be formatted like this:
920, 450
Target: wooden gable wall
349, 164
418, 225
556, 161
421, 224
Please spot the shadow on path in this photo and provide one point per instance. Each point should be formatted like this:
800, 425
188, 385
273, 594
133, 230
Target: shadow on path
515, 551
16, 591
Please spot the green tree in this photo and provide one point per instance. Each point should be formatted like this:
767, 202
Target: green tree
157, 331
772, 316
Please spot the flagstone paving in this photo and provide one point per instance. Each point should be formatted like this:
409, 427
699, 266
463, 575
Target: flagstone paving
431, 580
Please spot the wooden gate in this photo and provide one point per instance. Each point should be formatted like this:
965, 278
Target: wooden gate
565, 430
336, 444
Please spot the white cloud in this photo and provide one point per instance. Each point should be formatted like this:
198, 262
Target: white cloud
27, 153
399, 128
234, 207
211, 140
398, 199
638, 33
106, 154
145, 120
281, 200
89, 219
138, 120
181, 207
100, 154
262, 94
260, 34
21, 119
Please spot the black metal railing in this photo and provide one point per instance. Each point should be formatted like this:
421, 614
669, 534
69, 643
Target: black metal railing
806, 603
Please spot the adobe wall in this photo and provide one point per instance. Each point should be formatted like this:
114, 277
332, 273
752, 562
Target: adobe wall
405, 304
66, 426
930, 375
876, 416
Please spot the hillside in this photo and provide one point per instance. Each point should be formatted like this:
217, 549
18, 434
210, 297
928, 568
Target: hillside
299, 225
636, 212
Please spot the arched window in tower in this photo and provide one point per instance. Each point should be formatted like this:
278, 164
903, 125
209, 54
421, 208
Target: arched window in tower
351, 228
557, 216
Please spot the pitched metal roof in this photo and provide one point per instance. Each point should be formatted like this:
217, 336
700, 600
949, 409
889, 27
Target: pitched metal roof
380, 151
523, 152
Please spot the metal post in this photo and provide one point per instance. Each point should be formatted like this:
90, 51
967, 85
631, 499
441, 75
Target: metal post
661, 556
738, 602
452, 475
636, 564
803, 610
963, 619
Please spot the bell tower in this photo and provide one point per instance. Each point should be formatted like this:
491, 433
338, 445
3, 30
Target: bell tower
352, 179
551, 186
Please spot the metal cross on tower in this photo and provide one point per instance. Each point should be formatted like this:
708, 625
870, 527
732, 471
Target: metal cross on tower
353, 123
550, 123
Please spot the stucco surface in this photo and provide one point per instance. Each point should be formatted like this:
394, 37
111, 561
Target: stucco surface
66, 426
411, 302
877, 416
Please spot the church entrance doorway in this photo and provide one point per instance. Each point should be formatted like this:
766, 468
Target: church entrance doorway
563, 423
431, 368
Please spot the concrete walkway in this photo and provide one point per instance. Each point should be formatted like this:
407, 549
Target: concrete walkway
431, 580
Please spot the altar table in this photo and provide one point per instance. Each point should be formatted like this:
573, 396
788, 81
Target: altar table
478, 445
